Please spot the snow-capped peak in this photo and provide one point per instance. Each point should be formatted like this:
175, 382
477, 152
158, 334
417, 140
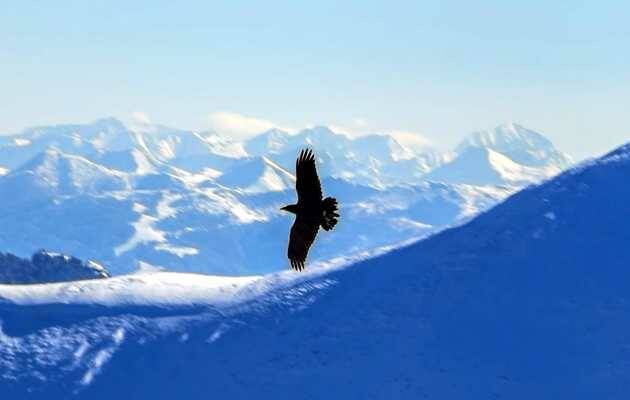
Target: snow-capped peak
522, 145
484, 166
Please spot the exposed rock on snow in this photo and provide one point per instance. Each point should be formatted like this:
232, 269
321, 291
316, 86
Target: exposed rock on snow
46, 267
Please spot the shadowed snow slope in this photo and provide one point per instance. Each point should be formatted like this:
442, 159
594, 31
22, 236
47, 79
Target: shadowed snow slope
529, 300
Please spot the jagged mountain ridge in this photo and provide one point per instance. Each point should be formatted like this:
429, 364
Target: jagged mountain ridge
373, 159
376, 160
521, 145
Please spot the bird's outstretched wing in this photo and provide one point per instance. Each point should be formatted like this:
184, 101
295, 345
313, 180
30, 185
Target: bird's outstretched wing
308, 188
301, 238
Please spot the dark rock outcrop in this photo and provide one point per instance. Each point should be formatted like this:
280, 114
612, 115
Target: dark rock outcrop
45, 267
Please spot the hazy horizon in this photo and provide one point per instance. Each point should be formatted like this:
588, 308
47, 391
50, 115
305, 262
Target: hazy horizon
437, 70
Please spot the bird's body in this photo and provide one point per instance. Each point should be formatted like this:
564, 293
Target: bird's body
311, 210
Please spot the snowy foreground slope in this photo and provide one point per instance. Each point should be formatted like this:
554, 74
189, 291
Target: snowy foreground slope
530, 300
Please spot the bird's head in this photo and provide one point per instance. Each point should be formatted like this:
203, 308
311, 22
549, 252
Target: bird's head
292, 208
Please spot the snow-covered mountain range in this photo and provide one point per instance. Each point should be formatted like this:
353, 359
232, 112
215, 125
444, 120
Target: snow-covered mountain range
527, 300
202, 202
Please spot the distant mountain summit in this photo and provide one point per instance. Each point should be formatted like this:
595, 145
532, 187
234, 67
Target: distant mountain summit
521, 145
484, 166
508, 155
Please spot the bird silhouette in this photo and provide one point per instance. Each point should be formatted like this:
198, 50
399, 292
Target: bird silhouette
311, 211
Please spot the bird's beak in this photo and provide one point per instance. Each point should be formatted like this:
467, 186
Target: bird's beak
284, 208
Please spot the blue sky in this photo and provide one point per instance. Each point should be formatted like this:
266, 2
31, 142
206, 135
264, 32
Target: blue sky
440, 69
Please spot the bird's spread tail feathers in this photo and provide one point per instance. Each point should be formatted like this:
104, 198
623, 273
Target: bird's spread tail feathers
331, 213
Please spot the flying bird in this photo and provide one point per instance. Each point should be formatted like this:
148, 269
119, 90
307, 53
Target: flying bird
311, 211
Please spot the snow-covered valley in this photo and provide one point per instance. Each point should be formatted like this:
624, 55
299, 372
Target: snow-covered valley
527, 300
